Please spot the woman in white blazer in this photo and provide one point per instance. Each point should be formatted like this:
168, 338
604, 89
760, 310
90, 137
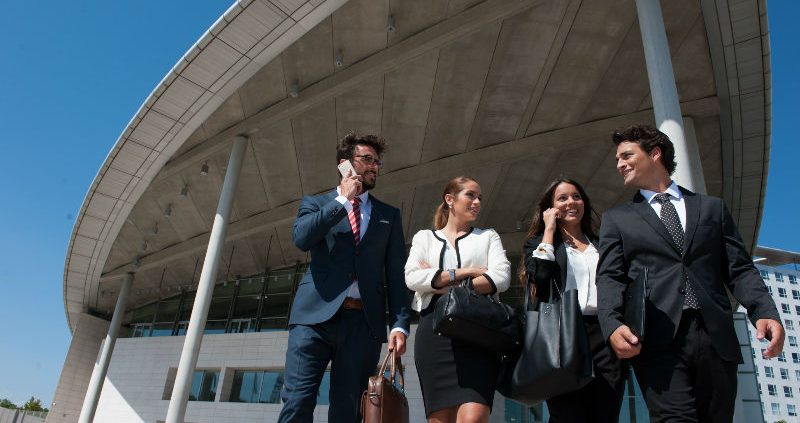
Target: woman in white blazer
457, 378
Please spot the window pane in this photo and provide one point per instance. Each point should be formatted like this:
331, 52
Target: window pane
214, 327
162, 329
271, 387
246, 386
204, 385
324, 390
219, 308
144, 314
167, 310
276, 306
224, 290
251, 286
246, 307
269, 325
280, 282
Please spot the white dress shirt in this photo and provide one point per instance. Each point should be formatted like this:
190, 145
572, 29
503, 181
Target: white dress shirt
675, 197
581, 273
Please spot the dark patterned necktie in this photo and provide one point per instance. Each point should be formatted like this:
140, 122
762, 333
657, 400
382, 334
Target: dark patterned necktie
355, 219
669, 216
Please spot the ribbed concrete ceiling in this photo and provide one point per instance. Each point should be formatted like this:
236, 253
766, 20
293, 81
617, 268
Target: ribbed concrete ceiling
511, 92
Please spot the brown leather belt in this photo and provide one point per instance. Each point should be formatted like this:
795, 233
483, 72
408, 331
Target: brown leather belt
352, 304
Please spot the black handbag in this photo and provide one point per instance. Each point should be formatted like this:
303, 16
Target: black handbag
479, 319
555, 357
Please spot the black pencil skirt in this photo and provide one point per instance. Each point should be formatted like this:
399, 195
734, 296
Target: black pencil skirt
452, 372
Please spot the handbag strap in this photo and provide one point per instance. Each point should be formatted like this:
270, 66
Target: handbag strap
395, 370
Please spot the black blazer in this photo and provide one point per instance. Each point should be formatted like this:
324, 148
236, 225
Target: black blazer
633, 237
541, 272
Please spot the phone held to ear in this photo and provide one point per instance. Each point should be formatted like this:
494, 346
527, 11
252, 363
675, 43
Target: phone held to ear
346, 169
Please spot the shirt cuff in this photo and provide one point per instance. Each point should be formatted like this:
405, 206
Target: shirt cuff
343, 201
399, 329
544, 252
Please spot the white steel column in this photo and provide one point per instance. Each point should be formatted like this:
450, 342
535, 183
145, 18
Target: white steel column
101, 366
696, 164
664, 92
205, 288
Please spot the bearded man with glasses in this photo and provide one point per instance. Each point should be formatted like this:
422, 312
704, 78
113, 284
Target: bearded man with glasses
339, 311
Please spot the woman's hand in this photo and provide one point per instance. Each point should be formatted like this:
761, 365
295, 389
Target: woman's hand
471, 272
550, 217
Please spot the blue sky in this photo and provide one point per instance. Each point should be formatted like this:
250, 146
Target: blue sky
74, 73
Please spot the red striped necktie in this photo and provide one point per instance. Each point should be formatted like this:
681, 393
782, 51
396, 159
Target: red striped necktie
355, 219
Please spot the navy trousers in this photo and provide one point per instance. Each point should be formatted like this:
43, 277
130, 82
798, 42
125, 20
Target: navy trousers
346, 343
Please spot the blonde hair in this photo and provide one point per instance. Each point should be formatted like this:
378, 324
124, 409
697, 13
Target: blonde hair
453, 187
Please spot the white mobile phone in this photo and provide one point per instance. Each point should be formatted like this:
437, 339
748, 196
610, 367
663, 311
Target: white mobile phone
346, 169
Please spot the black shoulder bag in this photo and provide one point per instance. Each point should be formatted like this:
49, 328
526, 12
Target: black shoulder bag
479, 319
555, 357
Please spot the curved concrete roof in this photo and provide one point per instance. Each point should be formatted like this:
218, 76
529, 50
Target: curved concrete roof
512, 92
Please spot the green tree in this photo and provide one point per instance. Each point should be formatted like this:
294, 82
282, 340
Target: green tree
33, 404
5, 403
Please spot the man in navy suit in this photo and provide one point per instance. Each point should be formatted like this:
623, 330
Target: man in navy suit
686, 362
339, 311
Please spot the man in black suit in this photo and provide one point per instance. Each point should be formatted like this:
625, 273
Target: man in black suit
686, 363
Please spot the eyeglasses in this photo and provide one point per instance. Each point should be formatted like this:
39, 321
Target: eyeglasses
369, 160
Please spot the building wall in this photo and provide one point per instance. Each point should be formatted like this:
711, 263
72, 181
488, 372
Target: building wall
77, 371
21, 416
137, 384
784, 284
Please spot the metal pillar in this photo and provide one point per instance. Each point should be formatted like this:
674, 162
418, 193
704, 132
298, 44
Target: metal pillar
205, 288
101, 366
664, 92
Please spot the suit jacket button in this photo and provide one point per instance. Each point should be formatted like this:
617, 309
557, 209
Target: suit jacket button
682, 291
356, 253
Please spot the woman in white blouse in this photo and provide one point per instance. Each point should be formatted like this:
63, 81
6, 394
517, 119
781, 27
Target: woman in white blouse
561, 248
457, 378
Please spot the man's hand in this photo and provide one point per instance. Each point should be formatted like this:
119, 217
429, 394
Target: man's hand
397, 342
624, 343
773, 331
350, 186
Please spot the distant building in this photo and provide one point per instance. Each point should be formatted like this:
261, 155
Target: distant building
779, 378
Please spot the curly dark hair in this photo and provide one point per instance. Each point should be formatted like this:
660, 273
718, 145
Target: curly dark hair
347, 146
648, 138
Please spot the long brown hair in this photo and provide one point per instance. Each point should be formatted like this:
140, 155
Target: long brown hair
588, 221
453, 187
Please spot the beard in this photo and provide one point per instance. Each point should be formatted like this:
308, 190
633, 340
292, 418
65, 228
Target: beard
368, 183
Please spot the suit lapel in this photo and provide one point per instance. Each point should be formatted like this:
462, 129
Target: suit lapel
344, 224
646, 212
692, 203
375, 217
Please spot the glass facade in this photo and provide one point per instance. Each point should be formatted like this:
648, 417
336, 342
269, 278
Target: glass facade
253, 304
264, 386
204, 385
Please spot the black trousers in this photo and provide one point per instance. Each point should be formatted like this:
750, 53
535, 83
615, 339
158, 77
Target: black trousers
600, 400
687, 382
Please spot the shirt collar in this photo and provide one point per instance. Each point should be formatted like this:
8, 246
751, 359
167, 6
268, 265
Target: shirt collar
672, 190
364, 196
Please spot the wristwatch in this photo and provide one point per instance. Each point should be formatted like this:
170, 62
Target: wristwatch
452, 273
